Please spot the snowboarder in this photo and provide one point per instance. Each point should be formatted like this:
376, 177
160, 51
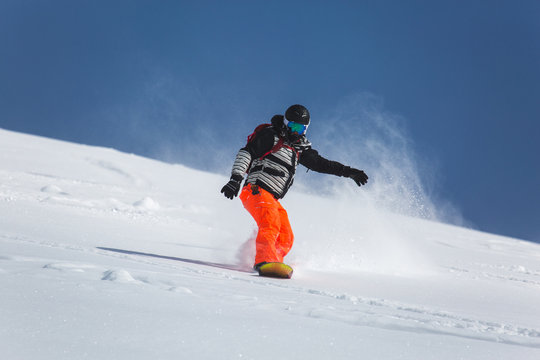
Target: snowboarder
270, 158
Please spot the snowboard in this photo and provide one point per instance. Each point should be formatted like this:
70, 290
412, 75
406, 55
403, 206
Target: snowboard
275, 270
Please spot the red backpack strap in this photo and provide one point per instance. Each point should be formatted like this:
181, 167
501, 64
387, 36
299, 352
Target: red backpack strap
274, 148
281, 143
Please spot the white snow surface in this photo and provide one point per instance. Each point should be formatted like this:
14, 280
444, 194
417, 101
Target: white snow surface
101, 257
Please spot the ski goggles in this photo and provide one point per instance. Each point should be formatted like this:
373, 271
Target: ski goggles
296, 127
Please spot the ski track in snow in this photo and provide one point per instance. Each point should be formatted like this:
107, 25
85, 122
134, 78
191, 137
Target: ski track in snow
489, 271
339, 307
380, 313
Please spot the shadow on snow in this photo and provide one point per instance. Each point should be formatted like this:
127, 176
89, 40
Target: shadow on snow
191, 261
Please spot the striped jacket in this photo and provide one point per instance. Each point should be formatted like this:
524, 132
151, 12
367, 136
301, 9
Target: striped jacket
270, 159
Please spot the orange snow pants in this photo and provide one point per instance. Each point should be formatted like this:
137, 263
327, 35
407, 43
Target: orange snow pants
275, 236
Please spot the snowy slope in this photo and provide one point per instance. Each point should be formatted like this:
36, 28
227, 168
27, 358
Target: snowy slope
367, 284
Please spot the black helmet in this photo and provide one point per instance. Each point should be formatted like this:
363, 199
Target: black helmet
298, 114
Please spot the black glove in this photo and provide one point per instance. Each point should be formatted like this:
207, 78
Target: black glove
359, 177
230, 190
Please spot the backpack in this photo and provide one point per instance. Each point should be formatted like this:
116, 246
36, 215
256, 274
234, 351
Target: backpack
276, 147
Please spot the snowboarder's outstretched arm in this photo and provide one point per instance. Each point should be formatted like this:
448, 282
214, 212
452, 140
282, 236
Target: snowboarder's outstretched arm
312, 160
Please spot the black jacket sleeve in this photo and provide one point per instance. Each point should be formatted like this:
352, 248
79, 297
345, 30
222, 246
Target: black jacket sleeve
311, 159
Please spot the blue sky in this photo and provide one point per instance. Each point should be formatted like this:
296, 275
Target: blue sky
186, 81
